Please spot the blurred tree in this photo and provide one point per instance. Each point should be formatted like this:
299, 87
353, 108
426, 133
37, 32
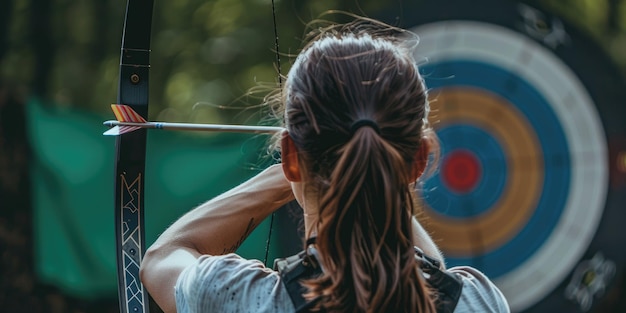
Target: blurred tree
42, 45
204, 52
6, 8
613, 16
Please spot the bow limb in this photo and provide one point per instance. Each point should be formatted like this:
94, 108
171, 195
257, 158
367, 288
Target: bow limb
280, 85
130, 158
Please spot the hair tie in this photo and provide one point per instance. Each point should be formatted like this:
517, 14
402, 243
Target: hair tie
364, 122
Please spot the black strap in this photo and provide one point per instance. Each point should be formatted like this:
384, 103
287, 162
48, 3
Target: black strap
303, 266
292, 271
448, 285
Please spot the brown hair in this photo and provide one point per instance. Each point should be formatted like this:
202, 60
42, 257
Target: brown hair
348, 73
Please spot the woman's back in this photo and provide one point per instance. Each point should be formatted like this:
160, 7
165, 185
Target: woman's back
356, 140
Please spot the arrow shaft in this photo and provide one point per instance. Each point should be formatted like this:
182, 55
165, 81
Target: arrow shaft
200, 127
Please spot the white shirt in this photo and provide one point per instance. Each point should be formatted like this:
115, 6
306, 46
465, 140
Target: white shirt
229, 283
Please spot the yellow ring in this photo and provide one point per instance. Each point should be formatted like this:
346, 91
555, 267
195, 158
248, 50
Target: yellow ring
524, 183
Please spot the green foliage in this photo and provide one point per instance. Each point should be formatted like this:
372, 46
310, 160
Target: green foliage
204, 52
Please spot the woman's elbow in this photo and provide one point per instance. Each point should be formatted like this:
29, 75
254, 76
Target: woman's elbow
146, 265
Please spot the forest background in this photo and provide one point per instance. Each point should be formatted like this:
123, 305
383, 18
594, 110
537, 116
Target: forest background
206, 55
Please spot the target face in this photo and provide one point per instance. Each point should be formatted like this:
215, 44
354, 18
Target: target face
523, 177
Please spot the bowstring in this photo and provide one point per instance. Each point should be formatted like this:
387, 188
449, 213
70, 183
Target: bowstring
280, 85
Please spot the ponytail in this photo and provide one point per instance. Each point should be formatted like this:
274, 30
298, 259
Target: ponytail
365, 235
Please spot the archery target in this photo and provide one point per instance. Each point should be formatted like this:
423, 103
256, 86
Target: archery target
523, 178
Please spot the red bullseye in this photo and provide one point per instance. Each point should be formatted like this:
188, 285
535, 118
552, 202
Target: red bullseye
461, 171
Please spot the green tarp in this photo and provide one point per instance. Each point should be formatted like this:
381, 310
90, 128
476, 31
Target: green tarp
72, 189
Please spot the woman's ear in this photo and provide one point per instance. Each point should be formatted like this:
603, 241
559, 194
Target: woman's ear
289, 156
420, 159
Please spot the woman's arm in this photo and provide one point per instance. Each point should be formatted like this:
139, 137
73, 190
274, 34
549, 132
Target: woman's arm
216, 227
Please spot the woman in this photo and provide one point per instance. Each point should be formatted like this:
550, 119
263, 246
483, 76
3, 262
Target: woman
355, 110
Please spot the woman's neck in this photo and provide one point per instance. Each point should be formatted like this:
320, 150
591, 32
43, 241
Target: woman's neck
310, 219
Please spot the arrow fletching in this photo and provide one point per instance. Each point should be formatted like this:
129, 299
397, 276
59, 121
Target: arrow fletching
119, 130
124, 113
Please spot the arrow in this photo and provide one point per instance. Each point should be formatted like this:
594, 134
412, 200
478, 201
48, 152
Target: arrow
128, 121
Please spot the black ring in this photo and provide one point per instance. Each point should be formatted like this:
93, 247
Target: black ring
364, 122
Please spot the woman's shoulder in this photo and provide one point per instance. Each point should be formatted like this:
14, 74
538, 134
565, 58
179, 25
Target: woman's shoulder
230, 283
479, 293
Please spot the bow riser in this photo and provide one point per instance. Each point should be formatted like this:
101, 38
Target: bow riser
130, 160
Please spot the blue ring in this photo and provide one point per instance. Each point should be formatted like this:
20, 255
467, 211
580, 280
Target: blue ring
493, 177
556, 158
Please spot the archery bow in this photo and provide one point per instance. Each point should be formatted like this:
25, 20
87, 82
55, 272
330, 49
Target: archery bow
130, 159
280, 85
131, 152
